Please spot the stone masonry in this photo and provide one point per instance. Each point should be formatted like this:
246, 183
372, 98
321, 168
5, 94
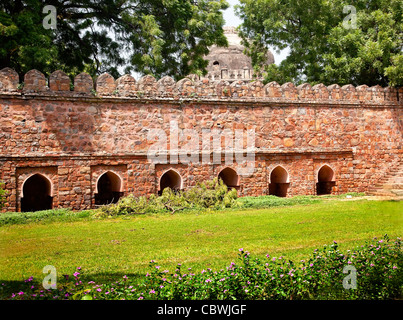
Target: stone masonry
71, 134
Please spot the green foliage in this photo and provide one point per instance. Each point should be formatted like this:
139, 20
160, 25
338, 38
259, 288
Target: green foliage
2, 195
378, 264
210, 194
321, 48
168, 37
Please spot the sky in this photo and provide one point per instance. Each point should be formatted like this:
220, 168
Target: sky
231, 20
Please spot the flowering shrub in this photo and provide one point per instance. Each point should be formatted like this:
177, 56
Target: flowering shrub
378, 264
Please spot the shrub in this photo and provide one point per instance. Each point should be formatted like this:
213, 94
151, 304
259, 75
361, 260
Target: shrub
2, 195
378, 263
211, 194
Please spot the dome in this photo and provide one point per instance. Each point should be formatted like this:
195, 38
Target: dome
231, 59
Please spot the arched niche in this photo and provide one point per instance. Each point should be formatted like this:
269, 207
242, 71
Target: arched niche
326, 180
108, 188
36, 193
279, 182
170, 179
230, 178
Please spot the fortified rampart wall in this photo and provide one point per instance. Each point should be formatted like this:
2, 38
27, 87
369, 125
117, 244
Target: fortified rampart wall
73, 139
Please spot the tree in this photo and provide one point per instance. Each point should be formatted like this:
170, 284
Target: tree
157, 37
330, 41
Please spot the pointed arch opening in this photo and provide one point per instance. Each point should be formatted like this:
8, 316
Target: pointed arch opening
230, 178
36, 194
279, 182
326, 180
170, 179
109, 189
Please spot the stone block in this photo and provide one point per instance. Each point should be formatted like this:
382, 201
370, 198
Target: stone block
9, 80
105, 85
305, 91
126, 86
34, 81
59, 81
273, 90
83, 83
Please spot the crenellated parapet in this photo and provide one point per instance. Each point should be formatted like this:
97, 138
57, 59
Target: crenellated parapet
191, 87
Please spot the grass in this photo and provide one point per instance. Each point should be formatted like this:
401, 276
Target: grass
110, 248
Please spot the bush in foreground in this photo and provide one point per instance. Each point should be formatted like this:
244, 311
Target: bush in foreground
378, 266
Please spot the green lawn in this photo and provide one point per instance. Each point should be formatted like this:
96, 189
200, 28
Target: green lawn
112, 247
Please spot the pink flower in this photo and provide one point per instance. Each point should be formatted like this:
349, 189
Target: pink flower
152, 291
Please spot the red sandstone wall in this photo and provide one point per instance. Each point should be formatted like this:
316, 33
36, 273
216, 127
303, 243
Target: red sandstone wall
73, 137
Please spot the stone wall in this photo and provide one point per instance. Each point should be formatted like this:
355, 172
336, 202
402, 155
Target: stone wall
72, 132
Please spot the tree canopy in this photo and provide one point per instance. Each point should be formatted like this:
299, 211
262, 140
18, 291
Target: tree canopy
157, 37
330, 41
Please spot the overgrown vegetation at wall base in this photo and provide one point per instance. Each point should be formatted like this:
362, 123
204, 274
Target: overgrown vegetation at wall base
378, 266
212, 194
2, 194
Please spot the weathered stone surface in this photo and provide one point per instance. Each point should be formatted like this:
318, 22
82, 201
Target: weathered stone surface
321, 91
126, 86
273, 90
59, 81
289, 91
8, 80
105, 85
147, 86
34, 81
83, 83
73, 139
305, 91
166, 87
